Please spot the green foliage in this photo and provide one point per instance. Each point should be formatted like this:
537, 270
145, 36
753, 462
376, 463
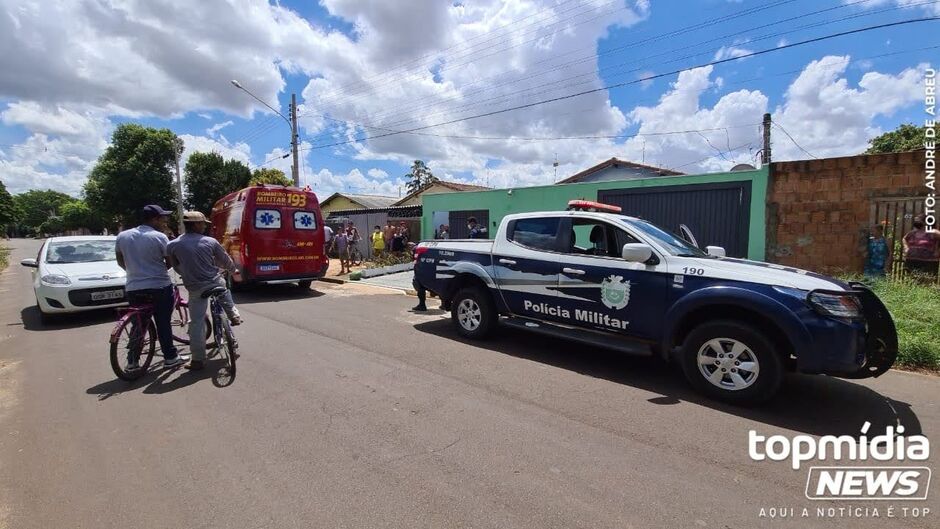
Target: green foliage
52, 226
4, 257
35, 206
136, 170
907, 137
915, 308
270, 176
419, 176
389, 259
76, 215
209, 177
9, 213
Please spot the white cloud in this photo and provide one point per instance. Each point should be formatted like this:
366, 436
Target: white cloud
376, 174
730, 52
214, 130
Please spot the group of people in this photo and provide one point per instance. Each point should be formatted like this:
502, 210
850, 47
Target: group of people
920, 250
147, 254
342, 241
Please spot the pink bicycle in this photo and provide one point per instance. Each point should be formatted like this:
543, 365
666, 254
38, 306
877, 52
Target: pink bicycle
135, 336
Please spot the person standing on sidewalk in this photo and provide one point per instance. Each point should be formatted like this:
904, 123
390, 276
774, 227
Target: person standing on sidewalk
199, 260
378, 242
141, 251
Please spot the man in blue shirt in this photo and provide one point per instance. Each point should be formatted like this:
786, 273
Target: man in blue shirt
141, 251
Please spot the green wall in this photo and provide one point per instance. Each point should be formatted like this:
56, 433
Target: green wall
500, 202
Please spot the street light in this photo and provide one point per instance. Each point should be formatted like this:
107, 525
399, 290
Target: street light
291, 121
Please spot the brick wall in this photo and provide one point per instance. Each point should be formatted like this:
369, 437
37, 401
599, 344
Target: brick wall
818, 211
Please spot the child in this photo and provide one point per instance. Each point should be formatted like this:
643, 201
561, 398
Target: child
877, 253
341, 246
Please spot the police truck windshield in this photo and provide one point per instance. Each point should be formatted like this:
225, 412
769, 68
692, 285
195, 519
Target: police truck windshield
672, 243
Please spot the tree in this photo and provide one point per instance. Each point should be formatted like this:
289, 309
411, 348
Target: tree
76, 215
9, 213
35, 206
419, 176
136, 170
907, 137
270, 176
52, 226
209, 177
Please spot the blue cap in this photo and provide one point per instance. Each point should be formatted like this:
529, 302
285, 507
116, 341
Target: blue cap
154, 210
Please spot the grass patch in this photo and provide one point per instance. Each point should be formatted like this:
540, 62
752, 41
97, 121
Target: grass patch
916, 312
4, 257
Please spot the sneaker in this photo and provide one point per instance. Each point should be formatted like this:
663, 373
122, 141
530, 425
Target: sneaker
195, 365
419, 308
133, 366
174, 362
237, 320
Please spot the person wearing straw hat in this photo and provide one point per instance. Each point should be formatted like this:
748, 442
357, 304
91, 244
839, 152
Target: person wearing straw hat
200, 261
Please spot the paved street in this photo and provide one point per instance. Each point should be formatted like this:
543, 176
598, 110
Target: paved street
350, 411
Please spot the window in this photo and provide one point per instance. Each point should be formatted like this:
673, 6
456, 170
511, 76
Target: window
234, 223
305, 220
540, 234
592, 237
80, 252
267, 219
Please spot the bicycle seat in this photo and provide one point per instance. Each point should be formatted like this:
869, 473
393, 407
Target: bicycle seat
215, 291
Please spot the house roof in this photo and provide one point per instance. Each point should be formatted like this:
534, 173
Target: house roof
615, 162
454, 186
366, 201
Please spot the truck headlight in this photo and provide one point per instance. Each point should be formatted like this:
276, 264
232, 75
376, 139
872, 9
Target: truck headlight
55, 280
835, 305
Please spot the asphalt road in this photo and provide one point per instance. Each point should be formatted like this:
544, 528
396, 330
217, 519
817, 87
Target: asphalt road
350, 411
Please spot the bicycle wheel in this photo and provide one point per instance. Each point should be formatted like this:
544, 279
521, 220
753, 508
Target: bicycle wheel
227, 346
180, 323
355, 257
123, 342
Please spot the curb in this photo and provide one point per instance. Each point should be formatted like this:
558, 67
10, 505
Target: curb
334, 280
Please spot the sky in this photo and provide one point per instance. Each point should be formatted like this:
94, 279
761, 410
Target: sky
381, 83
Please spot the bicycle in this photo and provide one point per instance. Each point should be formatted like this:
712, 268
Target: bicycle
135, 332
225, 343
355, 255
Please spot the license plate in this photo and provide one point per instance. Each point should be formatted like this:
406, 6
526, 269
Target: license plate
269, 267
107, 294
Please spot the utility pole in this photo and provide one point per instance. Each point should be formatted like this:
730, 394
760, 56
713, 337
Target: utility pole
177, 146
765, 152
293, 139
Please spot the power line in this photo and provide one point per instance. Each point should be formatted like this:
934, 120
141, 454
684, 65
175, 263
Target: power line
626, 83
592, 74
798, 146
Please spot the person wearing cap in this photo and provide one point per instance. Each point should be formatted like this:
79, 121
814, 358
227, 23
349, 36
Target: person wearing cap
141, 251
199, 260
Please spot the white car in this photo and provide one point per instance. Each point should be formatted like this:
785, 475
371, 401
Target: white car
73, 274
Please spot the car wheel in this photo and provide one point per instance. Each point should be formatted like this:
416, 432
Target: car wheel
305, 284
731, 361
473, 312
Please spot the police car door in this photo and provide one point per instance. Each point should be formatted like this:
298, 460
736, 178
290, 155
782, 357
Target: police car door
605, 292
526, 266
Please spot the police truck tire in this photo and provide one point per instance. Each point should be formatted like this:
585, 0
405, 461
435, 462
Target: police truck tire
732, 362
474, 313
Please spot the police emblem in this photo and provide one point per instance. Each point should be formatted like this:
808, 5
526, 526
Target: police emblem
615, 293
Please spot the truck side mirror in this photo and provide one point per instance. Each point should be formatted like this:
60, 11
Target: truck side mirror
636, 252
31, 263
715, 251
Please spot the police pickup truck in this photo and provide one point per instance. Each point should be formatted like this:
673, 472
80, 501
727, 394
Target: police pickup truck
597, 277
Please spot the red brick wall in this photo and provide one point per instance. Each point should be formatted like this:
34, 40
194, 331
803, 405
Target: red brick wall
818, 211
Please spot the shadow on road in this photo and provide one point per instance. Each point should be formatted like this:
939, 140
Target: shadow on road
32, 319
273, 294
157, 380
813, 404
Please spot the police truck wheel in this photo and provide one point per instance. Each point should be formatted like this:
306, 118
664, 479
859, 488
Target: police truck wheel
473, 313
731, 361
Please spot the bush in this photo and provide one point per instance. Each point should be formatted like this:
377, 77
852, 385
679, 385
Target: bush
389, 259
4, 257
915, 308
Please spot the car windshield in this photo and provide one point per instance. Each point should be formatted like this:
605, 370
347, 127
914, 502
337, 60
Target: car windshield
671, 242
90, 251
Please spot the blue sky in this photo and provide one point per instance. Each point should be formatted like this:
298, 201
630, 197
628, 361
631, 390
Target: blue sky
364, 67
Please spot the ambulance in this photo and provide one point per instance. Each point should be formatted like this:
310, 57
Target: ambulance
273, 233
